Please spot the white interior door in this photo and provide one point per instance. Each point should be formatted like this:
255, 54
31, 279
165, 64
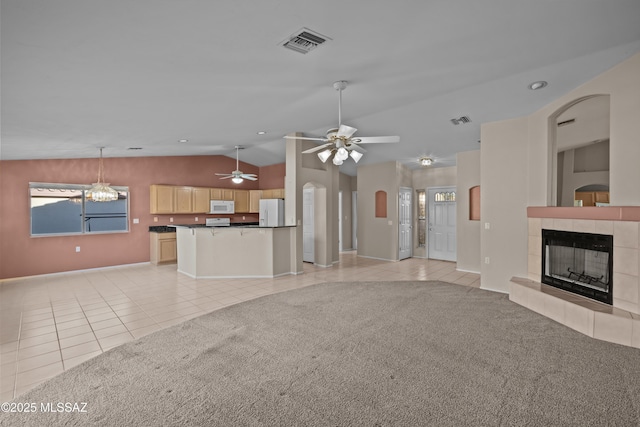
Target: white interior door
405, 224
442, 223
308, 225
354, 220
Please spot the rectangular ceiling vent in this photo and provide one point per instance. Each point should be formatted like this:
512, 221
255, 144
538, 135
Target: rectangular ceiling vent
461, 120
304, 40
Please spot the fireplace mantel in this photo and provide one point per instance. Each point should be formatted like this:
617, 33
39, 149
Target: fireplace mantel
603, 213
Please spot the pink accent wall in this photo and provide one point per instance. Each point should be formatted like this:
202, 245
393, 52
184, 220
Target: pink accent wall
22, 255
272, 176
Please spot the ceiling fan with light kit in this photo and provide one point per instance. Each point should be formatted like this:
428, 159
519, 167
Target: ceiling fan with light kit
340, 141
237, 176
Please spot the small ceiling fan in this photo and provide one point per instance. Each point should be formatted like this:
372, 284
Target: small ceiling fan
237, 176
340, 141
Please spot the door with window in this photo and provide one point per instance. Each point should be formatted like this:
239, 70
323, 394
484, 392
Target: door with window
404, 223
442, 223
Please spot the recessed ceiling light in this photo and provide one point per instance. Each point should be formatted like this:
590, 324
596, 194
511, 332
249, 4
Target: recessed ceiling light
182, 141
262, 132
537, 85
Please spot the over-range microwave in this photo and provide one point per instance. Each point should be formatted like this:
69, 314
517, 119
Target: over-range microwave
222, 207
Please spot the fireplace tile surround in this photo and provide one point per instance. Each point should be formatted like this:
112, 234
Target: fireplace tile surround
618, 323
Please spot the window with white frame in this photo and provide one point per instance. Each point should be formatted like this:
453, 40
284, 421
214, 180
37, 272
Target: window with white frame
59, 209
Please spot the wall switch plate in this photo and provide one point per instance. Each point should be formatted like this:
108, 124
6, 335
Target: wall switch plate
390, 222
196, 219
171, 219
136, 220
155, 219
77, 248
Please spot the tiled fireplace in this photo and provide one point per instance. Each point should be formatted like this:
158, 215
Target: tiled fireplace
618, 321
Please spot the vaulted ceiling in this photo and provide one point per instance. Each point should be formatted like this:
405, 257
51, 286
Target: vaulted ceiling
146, 74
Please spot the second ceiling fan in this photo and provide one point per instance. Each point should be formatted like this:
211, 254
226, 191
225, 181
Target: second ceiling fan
340, 141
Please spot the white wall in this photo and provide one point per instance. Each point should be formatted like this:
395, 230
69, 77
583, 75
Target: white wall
503, 183
467, 231
516, 158
378, 237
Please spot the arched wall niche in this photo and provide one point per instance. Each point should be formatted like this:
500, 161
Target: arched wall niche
578, 148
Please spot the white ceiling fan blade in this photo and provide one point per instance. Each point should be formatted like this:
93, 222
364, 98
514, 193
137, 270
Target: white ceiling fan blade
249, 177
222, 174
376, 139
346, 131
305, 138
356, 147
318, 148
225, 177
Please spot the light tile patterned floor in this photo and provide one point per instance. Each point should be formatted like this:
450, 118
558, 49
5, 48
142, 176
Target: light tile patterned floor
51, 323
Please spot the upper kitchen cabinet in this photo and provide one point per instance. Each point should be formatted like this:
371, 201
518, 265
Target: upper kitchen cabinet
222, 194
273, 193
172, 199
162, 199
254, 200
200, 197
183, 200
241, 199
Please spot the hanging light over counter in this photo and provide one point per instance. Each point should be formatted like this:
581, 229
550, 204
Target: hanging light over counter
100, 191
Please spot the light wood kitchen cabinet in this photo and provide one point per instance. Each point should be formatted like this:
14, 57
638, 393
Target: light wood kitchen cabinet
590, 198
200, 197
163, 248
222, 194
273, 193
241, 199
254, 200
183, 200
162, 199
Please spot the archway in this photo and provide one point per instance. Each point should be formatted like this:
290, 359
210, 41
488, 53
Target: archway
578, 148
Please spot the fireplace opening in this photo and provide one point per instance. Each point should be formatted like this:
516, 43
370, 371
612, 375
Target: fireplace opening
581, 263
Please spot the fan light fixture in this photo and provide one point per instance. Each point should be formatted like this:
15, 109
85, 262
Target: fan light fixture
339, 142
100, 191
237, 176
425, 161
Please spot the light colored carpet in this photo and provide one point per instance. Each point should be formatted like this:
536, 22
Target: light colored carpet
355, 354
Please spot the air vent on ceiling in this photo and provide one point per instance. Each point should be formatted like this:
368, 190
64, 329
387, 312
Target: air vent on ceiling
566, 122
304, 40
461, 120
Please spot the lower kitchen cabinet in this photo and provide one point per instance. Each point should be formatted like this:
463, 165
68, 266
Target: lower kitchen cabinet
163, 248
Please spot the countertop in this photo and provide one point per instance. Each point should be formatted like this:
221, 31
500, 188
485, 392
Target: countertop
237, 225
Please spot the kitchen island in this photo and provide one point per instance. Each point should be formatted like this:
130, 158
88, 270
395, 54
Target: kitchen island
235, 251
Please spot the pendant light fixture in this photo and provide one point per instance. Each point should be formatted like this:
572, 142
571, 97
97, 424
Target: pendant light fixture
100, 191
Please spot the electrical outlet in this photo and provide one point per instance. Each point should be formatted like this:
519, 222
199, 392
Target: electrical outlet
243, 218
196, 219
77, 248
487, 226
155, 219
487, 260
171, 219
136, 220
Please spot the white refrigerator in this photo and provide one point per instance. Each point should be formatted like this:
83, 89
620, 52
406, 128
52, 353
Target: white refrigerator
271, 213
